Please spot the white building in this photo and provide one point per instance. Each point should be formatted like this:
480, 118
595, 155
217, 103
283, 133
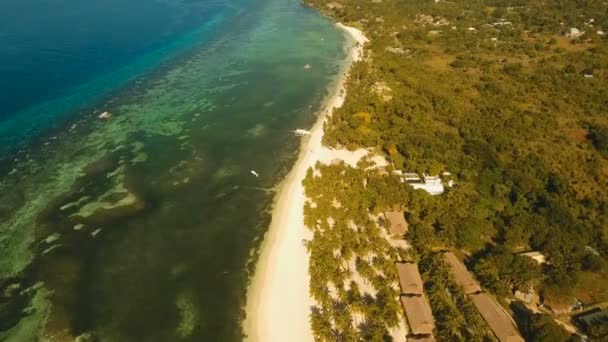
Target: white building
432, 184
536, 256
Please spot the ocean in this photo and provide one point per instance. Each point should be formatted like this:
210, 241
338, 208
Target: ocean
145, 226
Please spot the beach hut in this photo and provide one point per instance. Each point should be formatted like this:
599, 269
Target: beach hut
396, 221
461, 274
409, 278
497, 318
419, 314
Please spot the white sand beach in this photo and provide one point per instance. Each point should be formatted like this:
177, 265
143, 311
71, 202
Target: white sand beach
278, 299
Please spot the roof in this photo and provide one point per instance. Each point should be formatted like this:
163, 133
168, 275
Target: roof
419, 314
461, 274
397, 222
411, 176
496, 317
409, 278
432, 188
535, 255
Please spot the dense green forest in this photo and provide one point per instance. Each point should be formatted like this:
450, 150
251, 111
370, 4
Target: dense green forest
511, 97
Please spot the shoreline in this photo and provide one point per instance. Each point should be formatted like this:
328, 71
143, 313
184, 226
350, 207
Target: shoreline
278, 298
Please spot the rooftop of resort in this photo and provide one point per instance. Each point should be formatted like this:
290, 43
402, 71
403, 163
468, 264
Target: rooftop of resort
432, 188
431, 184
461, 274
397, 223
419, 314
409, 278
495, 315
535, 255
497, 318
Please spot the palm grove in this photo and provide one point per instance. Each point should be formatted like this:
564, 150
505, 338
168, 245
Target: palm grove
512, 101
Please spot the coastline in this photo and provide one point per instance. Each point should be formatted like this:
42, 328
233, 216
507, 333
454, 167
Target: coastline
278, 298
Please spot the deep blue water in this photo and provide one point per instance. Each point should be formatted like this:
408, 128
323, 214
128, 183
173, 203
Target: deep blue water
59, 55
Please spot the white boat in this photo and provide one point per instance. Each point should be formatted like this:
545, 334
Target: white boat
300, 131
105, 115
307, 66
255, 173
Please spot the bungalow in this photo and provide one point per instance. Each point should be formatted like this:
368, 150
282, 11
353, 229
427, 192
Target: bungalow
396, 222
461, 274
409, 278
497, 318
419, 314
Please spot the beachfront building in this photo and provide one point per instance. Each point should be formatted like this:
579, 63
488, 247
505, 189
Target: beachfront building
461, 274
498, 319
419, 315
415, 304
396, 222
496, 316
409, 278
431, 184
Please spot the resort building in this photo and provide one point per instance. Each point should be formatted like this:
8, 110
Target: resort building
432, 184
497, 318
411, 177
536, 256
419, 315
396, 222
461, 274
409, 278
415, 304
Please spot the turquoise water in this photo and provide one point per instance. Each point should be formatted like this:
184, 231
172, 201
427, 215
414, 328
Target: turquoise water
143, 227
62, 55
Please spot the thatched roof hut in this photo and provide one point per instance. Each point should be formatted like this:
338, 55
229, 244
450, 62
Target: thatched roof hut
461, 274
409, 278
419, 314
397, 223
497, 318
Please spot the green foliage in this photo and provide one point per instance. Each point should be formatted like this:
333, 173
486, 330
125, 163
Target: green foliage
599, 138
505, 108
504, 272
348, 244
539, 327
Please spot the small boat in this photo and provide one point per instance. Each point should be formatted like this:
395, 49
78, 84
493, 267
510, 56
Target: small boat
255, 173
307, 66
300, 131
105, 115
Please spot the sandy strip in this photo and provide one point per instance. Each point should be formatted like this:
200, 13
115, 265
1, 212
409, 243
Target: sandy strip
278, 299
